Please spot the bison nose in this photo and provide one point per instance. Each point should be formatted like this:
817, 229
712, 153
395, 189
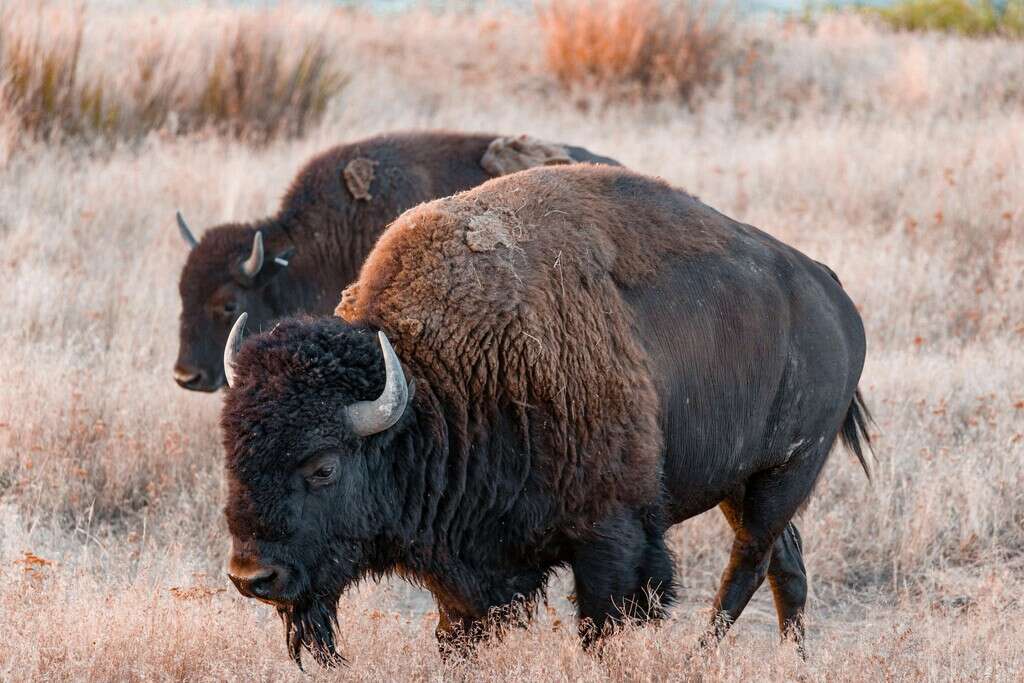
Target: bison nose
256, 585
193, 378
264, 582
185, 375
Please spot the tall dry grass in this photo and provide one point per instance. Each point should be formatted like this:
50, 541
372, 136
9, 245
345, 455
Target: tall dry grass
648, 47
245, 74
896, 159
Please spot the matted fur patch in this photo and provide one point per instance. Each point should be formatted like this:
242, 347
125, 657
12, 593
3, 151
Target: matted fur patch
348, 301
488, 230
358, 177
517, 153
410, 328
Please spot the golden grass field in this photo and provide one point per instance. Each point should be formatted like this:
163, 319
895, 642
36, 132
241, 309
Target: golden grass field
897, 159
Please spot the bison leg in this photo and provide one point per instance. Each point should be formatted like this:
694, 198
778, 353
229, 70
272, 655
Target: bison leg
624, 572
457, 635
786, 575
788, 578
769, 502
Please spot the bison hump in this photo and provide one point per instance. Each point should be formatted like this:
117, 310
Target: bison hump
510, 154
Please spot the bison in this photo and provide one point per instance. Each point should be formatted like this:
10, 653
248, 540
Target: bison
301, 258
583, 357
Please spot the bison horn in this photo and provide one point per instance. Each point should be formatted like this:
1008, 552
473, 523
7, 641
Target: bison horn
232, 347
372, 417
186, 234
252, 265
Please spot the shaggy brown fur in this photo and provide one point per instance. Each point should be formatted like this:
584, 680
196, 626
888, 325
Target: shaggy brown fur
549, 330
359, 176
328, 221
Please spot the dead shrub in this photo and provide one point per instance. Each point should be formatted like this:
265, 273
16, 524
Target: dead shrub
255, 80
624, 46
258, 86
38, 80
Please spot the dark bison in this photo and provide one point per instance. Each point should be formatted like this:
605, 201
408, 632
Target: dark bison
300, 259
585, 357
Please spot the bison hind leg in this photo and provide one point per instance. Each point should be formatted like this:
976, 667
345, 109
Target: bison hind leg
767, 544
788, 578
623, 573
786, 575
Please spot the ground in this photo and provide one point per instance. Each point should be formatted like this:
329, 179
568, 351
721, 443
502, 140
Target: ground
896, 159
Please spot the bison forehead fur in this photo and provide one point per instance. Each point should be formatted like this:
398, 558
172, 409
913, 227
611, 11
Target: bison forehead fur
314, 366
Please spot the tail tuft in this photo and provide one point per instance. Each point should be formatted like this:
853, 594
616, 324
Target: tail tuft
855, 431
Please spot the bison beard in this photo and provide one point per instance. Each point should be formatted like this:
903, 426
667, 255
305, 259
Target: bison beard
310, 624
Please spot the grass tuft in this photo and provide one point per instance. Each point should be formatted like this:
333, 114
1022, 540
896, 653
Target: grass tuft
253, 81
626, 46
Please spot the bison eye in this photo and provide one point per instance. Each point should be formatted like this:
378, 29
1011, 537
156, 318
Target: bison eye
321, 471
322, 475
230, 307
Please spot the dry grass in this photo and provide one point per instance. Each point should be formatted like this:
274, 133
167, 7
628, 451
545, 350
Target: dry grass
897, 159
249, 75
649, 46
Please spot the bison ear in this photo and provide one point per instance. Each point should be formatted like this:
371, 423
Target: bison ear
284, 257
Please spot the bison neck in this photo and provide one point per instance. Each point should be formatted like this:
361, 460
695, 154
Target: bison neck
327, 258
465, 525
315, 274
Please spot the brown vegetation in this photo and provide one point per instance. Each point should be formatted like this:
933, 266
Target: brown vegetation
648, 46
249, 76
894, 158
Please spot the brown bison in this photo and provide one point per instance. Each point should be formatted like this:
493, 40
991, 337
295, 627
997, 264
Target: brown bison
300, 259
585, 357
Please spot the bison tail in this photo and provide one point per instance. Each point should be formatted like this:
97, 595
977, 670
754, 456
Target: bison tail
855, 434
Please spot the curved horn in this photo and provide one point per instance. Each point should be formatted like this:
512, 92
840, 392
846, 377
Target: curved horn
372, 417
186, 234
231, 348
252, 265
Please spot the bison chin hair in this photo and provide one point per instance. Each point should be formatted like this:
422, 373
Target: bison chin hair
311, 625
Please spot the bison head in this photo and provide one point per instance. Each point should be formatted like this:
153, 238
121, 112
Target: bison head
226, 273
307, 420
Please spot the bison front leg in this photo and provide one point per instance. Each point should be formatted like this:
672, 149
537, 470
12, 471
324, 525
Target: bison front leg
458, 634
622, 573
